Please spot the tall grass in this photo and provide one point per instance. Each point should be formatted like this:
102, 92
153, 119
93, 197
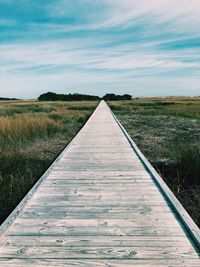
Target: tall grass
186, 178
188, 165
16, 131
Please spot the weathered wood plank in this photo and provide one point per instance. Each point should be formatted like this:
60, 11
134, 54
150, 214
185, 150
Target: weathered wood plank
90, 241
158, 217
92, 224
98, 231
79, 252
12, 262
133, 210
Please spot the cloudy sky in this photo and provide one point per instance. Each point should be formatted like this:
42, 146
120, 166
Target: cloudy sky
141, 47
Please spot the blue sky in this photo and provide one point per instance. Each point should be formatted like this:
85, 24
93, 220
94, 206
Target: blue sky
139, 47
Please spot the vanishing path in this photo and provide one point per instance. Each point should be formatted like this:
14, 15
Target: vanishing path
97, 206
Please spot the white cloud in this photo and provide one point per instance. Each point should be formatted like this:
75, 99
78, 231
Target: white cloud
63, 57
126, 11
108, 51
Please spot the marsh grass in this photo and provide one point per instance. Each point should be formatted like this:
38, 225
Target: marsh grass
16, 131
167, 130
32, 134
187, 163
88, 107
185, 107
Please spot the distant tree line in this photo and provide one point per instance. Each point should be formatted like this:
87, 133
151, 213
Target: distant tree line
6, 98
70, 97
113, 97
50, 96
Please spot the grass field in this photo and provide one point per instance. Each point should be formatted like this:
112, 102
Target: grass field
32, 134
167, 130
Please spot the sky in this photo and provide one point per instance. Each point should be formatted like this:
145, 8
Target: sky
140, 47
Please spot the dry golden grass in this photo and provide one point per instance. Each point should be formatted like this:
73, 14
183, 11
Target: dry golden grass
26, 127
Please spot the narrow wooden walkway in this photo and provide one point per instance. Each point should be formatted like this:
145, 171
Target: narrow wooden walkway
96, 206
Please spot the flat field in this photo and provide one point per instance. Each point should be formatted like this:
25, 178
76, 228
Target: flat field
167, 130
32, 134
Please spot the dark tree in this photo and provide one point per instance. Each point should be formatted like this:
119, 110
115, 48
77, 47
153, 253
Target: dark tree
6, 98
70, 97
113, 97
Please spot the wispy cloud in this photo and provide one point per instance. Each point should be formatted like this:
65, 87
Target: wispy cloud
155, 11
59, 56
100, 42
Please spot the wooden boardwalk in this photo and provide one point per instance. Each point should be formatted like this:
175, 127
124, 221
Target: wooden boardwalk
98, 205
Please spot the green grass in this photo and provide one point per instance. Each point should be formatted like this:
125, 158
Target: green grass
86, 107
186, 107
32, 134
167, 130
